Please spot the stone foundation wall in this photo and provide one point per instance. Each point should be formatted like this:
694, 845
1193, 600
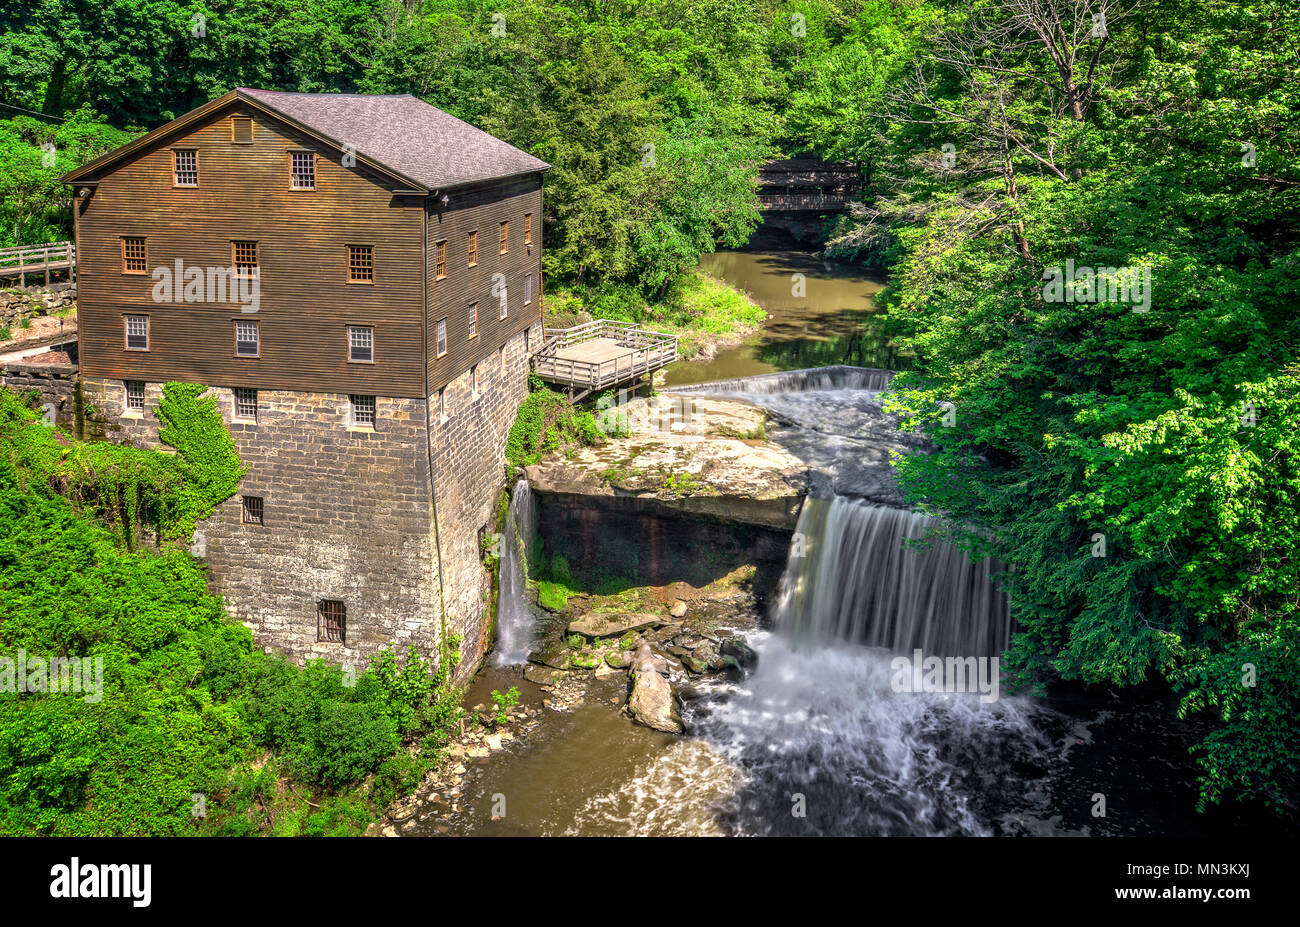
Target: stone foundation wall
467, 439
346, 513
56, 384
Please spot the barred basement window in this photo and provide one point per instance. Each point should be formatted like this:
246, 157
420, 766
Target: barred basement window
244, 254
361, 343
331, 621
137, 333
253, 509
134, 396
442, 259
363, 411
245, 403
528, 228
247, 342
185, 162
505, 236
134, 259
302, 170
442, 337
472, 248
361, 264
473, 320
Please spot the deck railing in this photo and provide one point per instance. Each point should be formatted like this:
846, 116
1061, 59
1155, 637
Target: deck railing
647, 351
35, 259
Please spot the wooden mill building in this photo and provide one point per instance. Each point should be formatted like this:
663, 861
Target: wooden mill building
357, 279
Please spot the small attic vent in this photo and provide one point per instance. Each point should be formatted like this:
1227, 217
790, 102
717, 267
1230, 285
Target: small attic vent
241, 130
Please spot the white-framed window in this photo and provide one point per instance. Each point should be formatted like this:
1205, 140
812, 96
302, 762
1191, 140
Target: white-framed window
473, 320
185, 165
137, 333
302, 170
246, 403
528, 289
247, 341
134, 395
363, 411
361, 343
442, 337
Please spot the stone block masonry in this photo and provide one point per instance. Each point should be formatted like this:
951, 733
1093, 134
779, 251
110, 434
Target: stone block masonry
348, 514
346, 517
469, 421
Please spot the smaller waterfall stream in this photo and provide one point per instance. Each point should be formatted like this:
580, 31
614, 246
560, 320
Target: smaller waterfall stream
516, 615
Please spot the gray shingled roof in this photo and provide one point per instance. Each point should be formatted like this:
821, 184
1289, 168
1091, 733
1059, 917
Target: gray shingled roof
404, 134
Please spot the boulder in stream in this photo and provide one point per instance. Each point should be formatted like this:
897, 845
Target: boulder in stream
652, 702
612, 624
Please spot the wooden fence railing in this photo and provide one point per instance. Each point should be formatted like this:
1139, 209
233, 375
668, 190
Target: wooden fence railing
39, 259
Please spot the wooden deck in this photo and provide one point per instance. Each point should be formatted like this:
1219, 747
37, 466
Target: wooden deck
601, 354
39, 260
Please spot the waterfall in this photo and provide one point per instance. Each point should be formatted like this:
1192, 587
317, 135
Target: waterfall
815, 379
852, 575
516, 615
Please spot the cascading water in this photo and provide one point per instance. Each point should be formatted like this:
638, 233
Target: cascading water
853, 575
824, 738
516, 615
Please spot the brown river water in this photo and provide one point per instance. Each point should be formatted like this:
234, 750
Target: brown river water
825, 318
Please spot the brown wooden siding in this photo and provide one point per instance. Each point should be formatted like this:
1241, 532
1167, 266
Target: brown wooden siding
306, 303
482, 208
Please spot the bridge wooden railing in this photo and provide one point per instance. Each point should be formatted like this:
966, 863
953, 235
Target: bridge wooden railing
35, 259
801, 201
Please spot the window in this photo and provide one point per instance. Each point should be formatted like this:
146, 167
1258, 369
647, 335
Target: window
528, 339
505, 294
185, 163
253, 509
505, 236
528, 289
245, 403
247, 343
363, 411
442, 259
473, 320
361, 264
528, 228
134, 257
302, 170
501, 358
241, 130
137, 333
331, 621
473, 381
442, 337
442, 404
361, 343
473, 249
244, 254
134, 396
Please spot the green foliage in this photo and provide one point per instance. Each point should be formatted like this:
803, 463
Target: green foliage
187, 705
504, 701
546, 422
206, 457
1170, 434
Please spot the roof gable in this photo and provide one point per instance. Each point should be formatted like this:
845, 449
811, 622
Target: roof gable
416, 144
